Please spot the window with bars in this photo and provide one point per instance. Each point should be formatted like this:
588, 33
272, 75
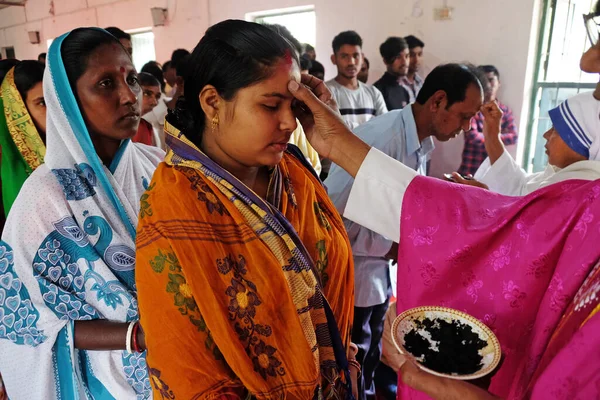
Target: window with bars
562, 41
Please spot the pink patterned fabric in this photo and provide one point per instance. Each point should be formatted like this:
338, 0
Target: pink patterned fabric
515, 263
570, 366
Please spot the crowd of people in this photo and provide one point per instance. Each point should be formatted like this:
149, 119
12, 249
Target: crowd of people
223, 225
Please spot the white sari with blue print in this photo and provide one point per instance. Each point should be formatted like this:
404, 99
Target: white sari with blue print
68, 254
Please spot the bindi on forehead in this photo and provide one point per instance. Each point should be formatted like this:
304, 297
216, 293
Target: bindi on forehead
288, 66
122, 70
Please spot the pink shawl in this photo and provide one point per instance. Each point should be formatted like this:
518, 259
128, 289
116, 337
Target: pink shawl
515, 263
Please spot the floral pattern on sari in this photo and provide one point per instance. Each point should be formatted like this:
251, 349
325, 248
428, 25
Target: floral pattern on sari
182, 295
289, 188
160, 385
322, 262
472, 284
321, 216
242, 309
539, 266
205, 194
145, 207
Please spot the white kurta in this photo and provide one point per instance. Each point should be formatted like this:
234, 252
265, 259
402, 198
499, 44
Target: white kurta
375, 200
156, 117
507, 178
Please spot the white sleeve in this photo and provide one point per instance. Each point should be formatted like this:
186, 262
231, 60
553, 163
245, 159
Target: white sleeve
504, 176
375, 200
157, 114
364, 242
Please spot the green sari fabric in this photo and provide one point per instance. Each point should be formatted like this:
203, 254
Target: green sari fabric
22, 147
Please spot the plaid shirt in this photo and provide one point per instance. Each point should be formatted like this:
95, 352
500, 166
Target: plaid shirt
413, 88
474, 153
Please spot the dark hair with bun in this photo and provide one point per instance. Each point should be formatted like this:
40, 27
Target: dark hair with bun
28, 73
232, 55
77, 47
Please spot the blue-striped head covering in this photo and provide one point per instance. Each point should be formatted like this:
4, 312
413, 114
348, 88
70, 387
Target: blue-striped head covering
577, 121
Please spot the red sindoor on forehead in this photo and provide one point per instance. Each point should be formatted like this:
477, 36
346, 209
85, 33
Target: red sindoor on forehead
288, 57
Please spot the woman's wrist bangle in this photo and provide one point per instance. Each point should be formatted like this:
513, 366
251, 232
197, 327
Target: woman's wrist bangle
355, 364
128, 337
136, 346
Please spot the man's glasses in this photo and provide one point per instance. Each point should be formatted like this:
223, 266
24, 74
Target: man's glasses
592, 26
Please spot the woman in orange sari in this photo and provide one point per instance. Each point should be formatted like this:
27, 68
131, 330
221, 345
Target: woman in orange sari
244, 272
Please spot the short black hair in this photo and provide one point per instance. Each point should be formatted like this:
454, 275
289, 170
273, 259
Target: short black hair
391, 48
414, 41
166, 66
453, 79
118, 33
287, 35
42, 55
178, 55
490, 69
154, 69
316, 68
305, 63
308, 47
180, 69
147, 79
366, 61
348, 37
178, 58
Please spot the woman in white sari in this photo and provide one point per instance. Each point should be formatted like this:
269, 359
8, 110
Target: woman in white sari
573, 149
68, 307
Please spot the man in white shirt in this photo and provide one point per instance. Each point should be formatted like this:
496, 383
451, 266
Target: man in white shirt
450, 97
357, 102
156, 117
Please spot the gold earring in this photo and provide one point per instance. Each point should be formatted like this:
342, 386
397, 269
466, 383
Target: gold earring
215, 122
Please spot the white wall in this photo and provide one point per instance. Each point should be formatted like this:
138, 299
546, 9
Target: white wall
188, 20
481, 32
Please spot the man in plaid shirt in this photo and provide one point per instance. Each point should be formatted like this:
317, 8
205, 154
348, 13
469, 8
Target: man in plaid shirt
474, 152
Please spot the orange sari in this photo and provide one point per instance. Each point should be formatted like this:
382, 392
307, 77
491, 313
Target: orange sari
232, 288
